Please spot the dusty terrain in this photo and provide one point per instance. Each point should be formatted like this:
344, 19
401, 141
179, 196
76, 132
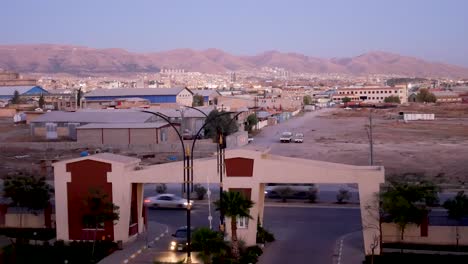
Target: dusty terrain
438, 149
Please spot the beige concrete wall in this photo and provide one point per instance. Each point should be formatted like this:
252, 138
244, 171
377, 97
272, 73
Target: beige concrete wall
89, 136
116, 136
143, 136
7, 112
30, 116
437, 235
25, 220
185, 98
171, 135
39, 132
62, 132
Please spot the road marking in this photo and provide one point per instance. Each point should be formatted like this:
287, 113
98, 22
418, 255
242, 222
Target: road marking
339, 246
340, 251
125, 261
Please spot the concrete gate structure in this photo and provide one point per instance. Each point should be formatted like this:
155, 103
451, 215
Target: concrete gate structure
122, 179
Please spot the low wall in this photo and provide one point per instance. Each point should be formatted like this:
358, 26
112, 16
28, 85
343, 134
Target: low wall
415, 116
7, 112
437, 235
262, 124
237, 139
205, 145
295, 112
25, 220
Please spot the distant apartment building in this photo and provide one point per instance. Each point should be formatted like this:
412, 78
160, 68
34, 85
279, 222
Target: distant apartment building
370, 94
293, 92
447, 97
14, 79
181, 96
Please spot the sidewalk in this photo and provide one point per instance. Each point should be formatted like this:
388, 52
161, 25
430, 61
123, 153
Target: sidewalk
132, 249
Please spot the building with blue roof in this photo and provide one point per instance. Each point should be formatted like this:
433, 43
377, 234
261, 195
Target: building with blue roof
7, 92
181, 96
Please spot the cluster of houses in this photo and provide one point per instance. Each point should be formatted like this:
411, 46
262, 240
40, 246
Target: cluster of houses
115, 115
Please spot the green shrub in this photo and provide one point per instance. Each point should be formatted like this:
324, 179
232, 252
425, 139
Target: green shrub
161, 188
28, 233
200, 190
264, 235
312, 194
343, 196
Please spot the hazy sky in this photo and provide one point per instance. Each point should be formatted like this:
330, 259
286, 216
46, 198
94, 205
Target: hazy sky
431, 29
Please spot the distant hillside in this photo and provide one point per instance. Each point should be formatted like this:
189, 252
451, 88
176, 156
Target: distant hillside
47, 58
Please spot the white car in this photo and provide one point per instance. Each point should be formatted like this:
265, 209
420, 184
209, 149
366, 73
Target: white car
167, 201
286, 137
299, 138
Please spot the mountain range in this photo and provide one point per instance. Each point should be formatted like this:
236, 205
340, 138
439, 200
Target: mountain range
79, 60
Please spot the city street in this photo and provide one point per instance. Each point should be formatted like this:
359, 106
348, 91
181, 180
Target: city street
303, 235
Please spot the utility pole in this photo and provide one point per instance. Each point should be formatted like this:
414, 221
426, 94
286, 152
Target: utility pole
182, 111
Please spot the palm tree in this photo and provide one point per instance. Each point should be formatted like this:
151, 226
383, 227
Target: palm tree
208, 243
233, 204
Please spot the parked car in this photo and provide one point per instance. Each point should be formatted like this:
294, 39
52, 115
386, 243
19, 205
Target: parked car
250, 139
167, 201
179, 240
299, 138
286, 137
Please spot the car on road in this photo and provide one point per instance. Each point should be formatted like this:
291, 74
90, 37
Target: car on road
286, 137
250, 139
179, 239
299, 138
167, 201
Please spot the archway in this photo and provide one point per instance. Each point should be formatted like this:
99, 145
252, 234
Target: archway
246, 170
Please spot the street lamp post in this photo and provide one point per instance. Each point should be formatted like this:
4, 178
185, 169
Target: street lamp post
186, 173
220, 155
188, 154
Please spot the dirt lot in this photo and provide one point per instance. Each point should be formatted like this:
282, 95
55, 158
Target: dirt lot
15, 158
438, 148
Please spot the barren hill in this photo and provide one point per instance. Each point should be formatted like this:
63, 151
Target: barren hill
48, 58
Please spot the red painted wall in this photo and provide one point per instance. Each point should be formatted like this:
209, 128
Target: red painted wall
86, 175
239, 167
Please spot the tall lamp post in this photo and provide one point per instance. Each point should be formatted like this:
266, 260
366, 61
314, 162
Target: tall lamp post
220, 155
188, 154
187, 181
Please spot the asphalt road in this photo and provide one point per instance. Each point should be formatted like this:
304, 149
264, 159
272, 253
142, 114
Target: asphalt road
304, 235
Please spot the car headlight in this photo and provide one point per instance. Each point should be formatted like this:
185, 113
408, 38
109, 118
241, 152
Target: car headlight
185, 203
173, 243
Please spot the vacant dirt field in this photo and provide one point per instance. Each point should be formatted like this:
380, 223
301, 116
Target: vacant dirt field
438, 148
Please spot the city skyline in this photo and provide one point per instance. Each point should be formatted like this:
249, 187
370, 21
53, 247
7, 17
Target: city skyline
427, 29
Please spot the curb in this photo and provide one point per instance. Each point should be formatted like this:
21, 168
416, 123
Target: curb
301, 205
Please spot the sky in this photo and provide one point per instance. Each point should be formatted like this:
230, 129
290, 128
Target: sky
436, 30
